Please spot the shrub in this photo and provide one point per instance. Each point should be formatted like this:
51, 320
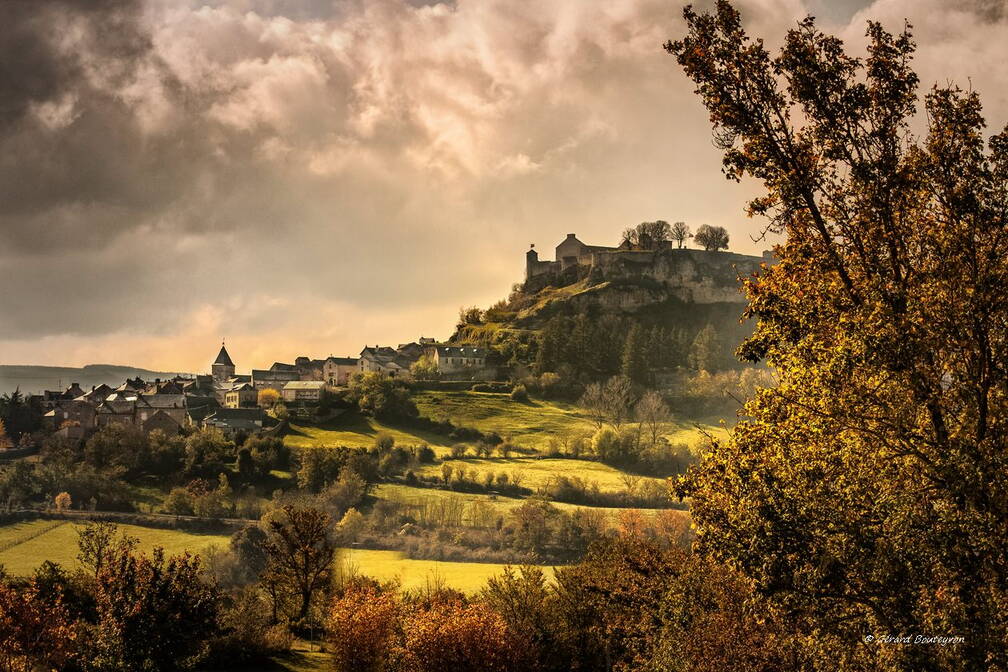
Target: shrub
519, 393
362, 623
462, 638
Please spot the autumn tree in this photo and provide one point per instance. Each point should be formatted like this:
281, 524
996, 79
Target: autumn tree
62, 501
300, 555
96, 541
653, 414
711, 238
452, 635
362, 625
268, 397
36, 631
680, 233
154, 612
4, 439
867, 490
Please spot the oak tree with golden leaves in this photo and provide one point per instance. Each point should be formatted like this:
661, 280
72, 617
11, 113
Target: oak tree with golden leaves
866, 493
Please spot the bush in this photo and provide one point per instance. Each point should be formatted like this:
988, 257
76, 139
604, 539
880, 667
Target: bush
362, 624
519, 393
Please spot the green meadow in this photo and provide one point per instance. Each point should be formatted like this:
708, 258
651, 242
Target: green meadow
58, 543
527, 424
42, 540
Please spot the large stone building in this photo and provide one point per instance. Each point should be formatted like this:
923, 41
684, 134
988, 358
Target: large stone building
690, 275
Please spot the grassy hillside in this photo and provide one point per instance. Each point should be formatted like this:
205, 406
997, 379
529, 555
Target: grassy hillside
501, 505
529, 425
58, 543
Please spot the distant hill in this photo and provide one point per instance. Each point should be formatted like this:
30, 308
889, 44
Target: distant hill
34, 379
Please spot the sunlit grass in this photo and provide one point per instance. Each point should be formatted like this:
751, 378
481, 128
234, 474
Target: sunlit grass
60, 544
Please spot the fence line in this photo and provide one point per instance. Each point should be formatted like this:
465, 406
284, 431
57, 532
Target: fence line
38, 532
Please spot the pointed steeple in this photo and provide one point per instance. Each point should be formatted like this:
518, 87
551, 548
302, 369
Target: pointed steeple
223, 357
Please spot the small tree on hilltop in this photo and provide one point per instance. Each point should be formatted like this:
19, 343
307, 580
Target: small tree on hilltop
712, 238
680, 233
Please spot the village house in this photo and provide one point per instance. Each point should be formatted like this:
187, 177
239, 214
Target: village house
337, 370
160, 420
72, 413
303, 391
242, 395
459, 359
274, 378
390, 361
233, 420
173, 405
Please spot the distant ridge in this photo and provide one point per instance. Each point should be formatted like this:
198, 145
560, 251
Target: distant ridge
32, 379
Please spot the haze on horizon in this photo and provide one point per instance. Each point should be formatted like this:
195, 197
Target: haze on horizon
305, 177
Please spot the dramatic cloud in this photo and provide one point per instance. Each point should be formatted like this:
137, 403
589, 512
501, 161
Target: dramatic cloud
307, 176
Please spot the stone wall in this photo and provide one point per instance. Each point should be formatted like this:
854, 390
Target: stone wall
694, 276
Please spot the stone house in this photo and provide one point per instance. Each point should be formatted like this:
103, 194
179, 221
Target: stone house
242, 395
232, 420
273, 378
73, 412
395, 362
116, 410
172, 405
455, 359
160, 420
337, 370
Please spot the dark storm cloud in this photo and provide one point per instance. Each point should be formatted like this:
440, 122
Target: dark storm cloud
35, 67
309, 175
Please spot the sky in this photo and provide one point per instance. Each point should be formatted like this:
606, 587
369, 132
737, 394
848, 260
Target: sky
309, 176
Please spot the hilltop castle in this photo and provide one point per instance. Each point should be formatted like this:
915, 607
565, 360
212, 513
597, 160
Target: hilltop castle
690, 274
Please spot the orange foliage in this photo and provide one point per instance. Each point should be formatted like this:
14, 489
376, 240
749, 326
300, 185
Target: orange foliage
459, 637
361, 625
34, 632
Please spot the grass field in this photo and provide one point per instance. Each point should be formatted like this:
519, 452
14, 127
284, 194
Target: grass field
58, 543
529, 425
353, 429
536, 473
501, 505
469, 577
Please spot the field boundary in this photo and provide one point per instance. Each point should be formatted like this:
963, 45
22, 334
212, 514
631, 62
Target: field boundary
34, 534
164, 521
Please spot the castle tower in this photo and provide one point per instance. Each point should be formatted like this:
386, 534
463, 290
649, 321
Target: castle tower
223, 368
531, 262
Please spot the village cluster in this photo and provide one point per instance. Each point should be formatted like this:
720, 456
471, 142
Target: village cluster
232, 402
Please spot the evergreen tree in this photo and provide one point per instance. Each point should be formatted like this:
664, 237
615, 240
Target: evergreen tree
635, 365
704, 352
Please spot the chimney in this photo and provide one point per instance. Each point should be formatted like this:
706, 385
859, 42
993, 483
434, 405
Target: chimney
569, 236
